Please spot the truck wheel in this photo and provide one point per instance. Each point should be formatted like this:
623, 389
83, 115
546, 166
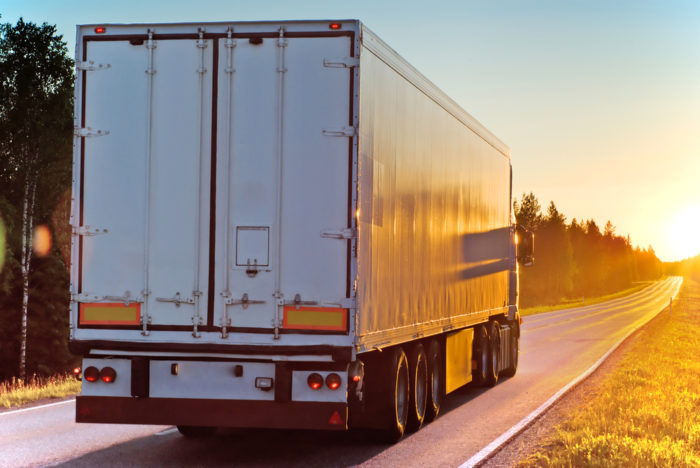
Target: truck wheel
196, 432
418, 395
396, 393
434, 381
481, 355
494, 350
514, 352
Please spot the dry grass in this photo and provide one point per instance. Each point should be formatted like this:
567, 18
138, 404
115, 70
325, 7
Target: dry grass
569, 303
645, 413
17, 392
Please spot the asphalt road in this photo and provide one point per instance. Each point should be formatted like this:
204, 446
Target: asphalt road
555, 348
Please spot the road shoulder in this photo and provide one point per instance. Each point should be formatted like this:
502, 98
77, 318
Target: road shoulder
532, 439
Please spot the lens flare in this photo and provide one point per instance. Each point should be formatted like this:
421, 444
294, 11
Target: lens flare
41, 242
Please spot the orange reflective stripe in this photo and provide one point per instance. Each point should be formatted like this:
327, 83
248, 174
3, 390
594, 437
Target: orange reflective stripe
315, 318
110, 314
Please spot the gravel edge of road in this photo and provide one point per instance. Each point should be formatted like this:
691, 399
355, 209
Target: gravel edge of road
531, 439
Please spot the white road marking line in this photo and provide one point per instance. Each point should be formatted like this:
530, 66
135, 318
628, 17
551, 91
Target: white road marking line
486, 452
167, 431
5, 413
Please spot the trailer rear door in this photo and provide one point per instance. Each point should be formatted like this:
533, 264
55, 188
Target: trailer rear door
160, 239
145, 175
284, 152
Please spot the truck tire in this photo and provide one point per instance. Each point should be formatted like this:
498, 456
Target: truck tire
395, 393
418, 394
494, 354
514, 350
480, 354
196, 432
434, 381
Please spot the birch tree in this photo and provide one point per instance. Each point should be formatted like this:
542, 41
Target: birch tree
36, 83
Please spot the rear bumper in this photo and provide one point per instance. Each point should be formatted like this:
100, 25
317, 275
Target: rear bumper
219, 413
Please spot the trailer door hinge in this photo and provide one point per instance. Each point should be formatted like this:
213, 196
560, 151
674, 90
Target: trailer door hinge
89, 132
340, 131
88, 231
341, 62
347, 233
92, 66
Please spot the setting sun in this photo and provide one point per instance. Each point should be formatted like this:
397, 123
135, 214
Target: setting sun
684, 233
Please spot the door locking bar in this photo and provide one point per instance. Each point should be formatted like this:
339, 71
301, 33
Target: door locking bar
177, 299
244, 301
298, 302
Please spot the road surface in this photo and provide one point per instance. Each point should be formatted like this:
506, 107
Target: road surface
556, 347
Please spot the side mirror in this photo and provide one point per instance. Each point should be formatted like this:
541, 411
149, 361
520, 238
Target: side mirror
525, 246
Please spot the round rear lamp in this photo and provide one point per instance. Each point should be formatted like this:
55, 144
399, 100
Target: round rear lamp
315, 381
108, 375
333, 381
91, 374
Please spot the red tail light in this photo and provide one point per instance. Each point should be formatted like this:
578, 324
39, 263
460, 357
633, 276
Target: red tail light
100, 30
76, 373
91, 374
315, 381
108, 375
333, 381
335, 26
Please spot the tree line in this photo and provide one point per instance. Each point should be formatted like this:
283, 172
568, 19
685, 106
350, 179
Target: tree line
577, 260
36, 130
689, 267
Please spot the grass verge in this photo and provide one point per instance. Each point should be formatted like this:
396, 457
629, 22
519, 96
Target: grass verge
646, 412
569, 303
16, 392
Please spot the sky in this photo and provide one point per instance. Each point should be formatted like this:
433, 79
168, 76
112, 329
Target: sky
598, 100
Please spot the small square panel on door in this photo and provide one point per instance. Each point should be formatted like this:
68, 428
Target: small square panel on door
252, 245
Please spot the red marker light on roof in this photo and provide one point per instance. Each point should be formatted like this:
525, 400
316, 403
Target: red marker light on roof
335, 26
100, 30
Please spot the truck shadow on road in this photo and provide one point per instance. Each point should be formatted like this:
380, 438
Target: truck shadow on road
262, 447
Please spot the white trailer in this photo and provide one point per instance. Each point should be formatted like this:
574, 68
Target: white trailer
281, 224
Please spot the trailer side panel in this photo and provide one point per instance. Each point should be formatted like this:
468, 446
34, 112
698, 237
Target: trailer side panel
434, 208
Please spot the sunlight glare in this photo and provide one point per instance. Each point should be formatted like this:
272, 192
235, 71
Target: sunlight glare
684, 233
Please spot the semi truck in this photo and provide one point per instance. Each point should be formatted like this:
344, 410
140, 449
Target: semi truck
282, 225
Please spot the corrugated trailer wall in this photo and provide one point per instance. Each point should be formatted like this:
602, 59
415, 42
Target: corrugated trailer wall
434, 197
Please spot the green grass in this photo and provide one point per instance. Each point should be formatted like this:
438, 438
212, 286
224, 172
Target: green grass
647, 411
17, 393
568, 303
